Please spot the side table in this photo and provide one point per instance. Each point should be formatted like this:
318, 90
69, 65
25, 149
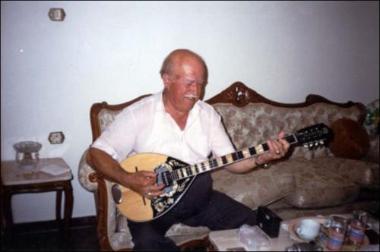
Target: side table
49, 174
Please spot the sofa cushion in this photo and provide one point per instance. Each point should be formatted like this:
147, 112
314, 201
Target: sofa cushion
257, 187
330, 182
323, 182
322, 190
350, 139
373, 152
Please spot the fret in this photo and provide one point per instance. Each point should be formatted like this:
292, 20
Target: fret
207, 166
259, 149
246, 153
239, 154
234, 156
184, 172
197, 168
188, 169
224, 160
229, 158
210, 162
252, 151
213, 163
203, 167
219, 161
193, 170
265, 147
181, 173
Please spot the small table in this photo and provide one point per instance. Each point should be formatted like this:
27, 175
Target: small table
49, 174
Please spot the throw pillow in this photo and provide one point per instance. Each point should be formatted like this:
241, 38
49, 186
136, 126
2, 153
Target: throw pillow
350, 139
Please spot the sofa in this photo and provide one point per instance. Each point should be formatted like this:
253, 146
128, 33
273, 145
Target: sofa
338, 177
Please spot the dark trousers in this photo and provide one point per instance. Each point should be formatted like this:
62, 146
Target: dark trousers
218, 213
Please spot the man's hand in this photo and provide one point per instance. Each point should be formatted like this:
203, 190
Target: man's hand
144, 183
277, 149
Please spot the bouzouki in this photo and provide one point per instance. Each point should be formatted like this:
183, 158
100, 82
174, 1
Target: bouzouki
178, 176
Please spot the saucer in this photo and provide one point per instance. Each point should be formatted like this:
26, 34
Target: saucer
294, 223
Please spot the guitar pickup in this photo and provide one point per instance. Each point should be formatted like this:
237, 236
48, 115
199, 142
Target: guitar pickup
163, 176
166, 179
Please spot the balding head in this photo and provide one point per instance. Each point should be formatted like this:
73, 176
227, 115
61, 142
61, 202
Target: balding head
178, 57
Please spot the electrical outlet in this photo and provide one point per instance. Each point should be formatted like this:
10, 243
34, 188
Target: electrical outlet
56, 137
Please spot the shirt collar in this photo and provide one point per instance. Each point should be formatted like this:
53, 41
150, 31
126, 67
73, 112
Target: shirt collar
192, 115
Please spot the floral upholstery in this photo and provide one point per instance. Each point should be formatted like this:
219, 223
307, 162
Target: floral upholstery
83, 174
308, 182
372, 119
372, 125
105, 117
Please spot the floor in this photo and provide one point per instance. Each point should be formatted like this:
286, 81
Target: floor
45, 236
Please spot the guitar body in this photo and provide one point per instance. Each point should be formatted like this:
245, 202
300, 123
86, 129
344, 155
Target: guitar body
140, 209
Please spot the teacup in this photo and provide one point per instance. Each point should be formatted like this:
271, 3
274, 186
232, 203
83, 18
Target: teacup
308, 229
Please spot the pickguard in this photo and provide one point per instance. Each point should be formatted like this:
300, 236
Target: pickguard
172, 192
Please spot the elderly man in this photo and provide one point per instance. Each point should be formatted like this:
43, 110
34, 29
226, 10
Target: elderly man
175, 122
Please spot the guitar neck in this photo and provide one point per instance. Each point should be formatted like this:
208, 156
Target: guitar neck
214, 163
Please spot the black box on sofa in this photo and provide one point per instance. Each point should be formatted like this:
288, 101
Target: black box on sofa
268, 221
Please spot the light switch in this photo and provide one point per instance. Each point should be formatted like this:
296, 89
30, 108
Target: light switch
56, 137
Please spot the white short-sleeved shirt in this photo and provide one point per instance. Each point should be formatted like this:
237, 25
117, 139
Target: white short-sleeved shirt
145, 126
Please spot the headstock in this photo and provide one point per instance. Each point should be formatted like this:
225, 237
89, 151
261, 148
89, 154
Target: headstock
314, 136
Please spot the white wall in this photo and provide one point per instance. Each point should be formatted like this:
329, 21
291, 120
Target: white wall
51, 72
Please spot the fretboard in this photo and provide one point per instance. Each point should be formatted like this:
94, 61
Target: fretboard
214, 163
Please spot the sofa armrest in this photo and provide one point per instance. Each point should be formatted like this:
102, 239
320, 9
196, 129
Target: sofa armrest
87, 175
373, 152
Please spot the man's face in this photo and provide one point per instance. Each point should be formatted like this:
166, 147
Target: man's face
185, 85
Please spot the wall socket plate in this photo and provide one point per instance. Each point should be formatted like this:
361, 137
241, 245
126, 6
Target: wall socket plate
56, 137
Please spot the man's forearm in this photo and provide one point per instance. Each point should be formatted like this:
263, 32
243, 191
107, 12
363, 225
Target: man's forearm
242, 166
106, 165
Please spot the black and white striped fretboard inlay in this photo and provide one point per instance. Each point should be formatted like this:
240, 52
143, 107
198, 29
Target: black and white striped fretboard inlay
213, 163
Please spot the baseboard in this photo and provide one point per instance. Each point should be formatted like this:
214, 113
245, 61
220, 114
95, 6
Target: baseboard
52, 225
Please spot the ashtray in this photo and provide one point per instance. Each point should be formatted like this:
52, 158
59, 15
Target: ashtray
27, 146
27, 152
